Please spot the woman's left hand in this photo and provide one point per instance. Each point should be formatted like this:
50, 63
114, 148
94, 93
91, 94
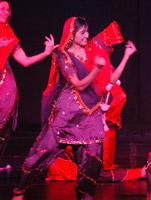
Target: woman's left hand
130, 48
49, 45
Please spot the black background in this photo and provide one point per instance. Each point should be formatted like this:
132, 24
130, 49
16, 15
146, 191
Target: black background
33, 20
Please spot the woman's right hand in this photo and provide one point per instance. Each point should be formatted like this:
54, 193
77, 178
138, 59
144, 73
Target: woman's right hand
99, 62
5, 42
50, 45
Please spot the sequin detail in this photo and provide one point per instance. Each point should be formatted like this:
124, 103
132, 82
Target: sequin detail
80, 142
3, 77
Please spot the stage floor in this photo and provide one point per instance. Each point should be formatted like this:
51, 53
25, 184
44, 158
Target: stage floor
64, 190
131, 151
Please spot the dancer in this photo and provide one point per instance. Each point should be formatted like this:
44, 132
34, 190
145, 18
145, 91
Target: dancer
9, 45
110, 171
65, 168
73, 116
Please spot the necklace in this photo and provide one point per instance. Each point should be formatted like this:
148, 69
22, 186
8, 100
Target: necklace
82, 59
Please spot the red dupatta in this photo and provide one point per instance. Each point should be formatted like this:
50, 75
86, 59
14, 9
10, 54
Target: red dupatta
50, 93
66, 40
97, 46
6, 32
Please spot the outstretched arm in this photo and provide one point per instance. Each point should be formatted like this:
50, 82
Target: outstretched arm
130, 49
21, 57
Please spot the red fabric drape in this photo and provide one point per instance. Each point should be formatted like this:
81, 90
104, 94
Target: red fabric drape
6, 32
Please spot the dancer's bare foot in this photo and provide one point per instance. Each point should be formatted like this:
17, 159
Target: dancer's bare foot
20, 197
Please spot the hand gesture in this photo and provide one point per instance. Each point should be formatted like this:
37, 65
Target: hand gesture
130, 48
49, 45
99, 61
4, 42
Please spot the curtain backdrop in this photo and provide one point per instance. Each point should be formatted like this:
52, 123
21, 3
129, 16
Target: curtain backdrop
33, 20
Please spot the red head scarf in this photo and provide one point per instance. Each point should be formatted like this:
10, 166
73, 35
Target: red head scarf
68, 33
6, 32
66, 40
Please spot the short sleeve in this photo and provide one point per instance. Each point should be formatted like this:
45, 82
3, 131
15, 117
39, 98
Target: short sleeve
16, 46
67, 70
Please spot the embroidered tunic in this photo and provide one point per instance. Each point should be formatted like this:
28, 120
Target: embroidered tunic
8, 96
77, 119
8, 89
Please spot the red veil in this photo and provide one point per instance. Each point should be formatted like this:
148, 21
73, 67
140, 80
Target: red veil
66, 40
6, 32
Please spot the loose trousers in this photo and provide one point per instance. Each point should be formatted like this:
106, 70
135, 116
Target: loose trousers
87, 157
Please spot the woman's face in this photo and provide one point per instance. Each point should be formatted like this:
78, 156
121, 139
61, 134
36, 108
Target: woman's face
81, 36
5, 11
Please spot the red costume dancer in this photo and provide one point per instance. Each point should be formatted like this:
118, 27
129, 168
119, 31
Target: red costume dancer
8, 89
9, 45
112, 172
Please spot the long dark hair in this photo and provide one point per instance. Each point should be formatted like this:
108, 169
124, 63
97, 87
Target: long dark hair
79, 22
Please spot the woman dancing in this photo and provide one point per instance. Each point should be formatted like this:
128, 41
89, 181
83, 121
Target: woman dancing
71, 109
9, 45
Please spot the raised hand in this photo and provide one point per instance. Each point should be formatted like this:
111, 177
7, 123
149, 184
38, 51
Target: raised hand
130, 48
49, 45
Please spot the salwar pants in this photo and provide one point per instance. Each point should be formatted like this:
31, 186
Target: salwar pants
88, 158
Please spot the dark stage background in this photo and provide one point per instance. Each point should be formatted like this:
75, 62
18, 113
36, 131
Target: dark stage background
33, 20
